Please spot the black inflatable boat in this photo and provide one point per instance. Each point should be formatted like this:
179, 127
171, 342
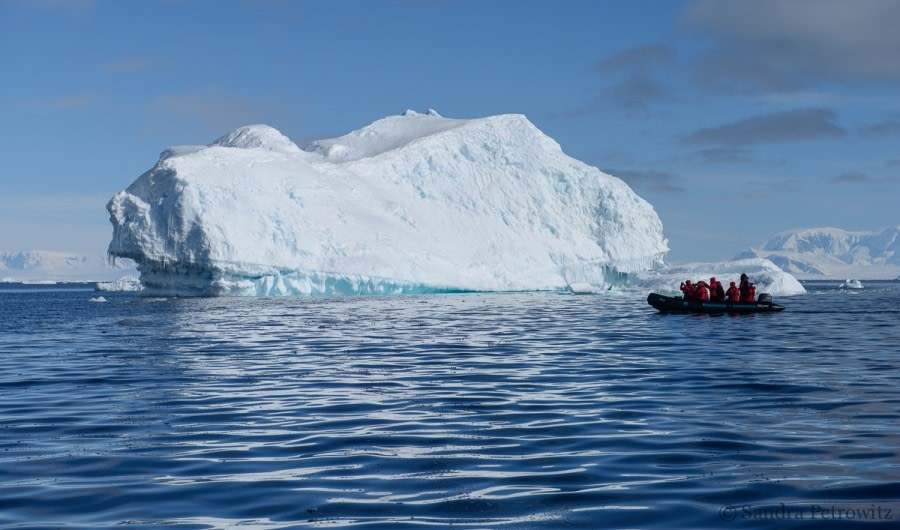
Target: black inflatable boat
673, 304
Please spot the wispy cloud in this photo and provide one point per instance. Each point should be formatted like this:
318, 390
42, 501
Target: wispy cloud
784, 126
859, 178
765, 187
636, 93
722, 155
883, 129
212, 107
852, 178
777, 44
649, 180
638, 59
134, 63
631, 82
65, 102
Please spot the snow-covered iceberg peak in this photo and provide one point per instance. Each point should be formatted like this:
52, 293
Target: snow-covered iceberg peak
257, 137
384, 135
410, 203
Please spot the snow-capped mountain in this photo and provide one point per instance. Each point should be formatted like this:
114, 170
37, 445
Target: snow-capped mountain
833, 253
410, 203
41, 265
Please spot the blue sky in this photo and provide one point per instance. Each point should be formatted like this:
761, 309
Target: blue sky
736, 120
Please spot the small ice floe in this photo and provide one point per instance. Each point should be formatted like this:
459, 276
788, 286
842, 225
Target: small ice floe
125, 283
852, 284
98, 299
582, 288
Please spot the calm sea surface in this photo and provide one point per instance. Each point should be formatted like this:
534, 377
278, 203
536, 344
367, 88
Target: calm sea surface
477, 411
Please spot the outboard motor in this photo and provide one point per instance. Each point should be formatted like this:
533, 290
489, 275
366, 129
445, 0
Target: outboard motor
765, 298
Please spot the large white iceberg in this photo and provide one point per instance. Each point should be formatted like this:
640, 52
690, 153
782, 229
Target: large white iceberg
409, 204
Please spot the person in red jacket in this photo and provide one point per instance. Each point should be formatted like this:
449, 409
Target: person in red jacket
690, 292
733, 293
748, 290
702, 291
716, 293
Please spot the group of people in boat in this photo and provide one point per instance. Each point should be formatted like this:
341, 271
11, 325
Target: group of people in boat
713, 291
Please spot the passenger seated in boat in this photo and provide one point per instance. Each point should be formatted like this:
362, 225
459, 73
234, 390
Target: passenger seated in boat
733, 293
690, 292
702, 291
716, 293
748, 290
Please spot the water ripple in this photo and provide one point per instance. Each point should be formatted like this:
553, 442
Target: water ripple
481, 411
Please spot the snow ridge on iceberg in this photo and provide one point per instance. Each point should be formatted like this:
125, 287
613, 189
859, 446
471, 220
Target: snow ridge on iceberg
409, 204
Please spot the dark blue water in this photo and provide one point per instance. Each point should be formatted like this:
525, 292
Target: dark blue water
474, 411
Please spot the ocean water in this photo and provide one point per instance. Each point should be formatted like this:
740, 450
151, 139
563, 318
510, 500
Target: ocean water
539, 410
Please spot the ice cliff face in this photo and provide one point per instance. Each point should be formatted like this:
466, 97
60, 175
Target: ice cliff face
833, 253
411, 203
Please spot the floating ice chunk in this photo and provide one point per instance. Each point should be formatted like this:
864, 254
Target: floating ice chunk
125, 283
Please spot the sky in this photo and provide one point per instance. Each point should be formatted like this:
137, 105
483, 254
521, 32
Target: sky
735, 120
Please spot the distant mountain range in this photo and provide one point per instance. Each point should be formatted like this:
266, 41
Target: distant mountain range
810, 253
42, 265
833, 253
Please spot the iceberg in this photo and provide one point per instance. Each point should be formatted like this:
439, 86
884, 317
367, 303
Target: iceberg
833, 253
767, 276
415, 203
128, 283
851, 284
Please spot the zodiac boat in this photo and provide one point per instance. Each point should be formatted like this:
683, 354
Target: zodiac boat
677, 304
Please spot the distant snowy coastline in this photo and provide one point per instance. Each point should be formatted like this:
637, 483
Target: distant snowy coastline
40, 266
832, 253
409, 204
